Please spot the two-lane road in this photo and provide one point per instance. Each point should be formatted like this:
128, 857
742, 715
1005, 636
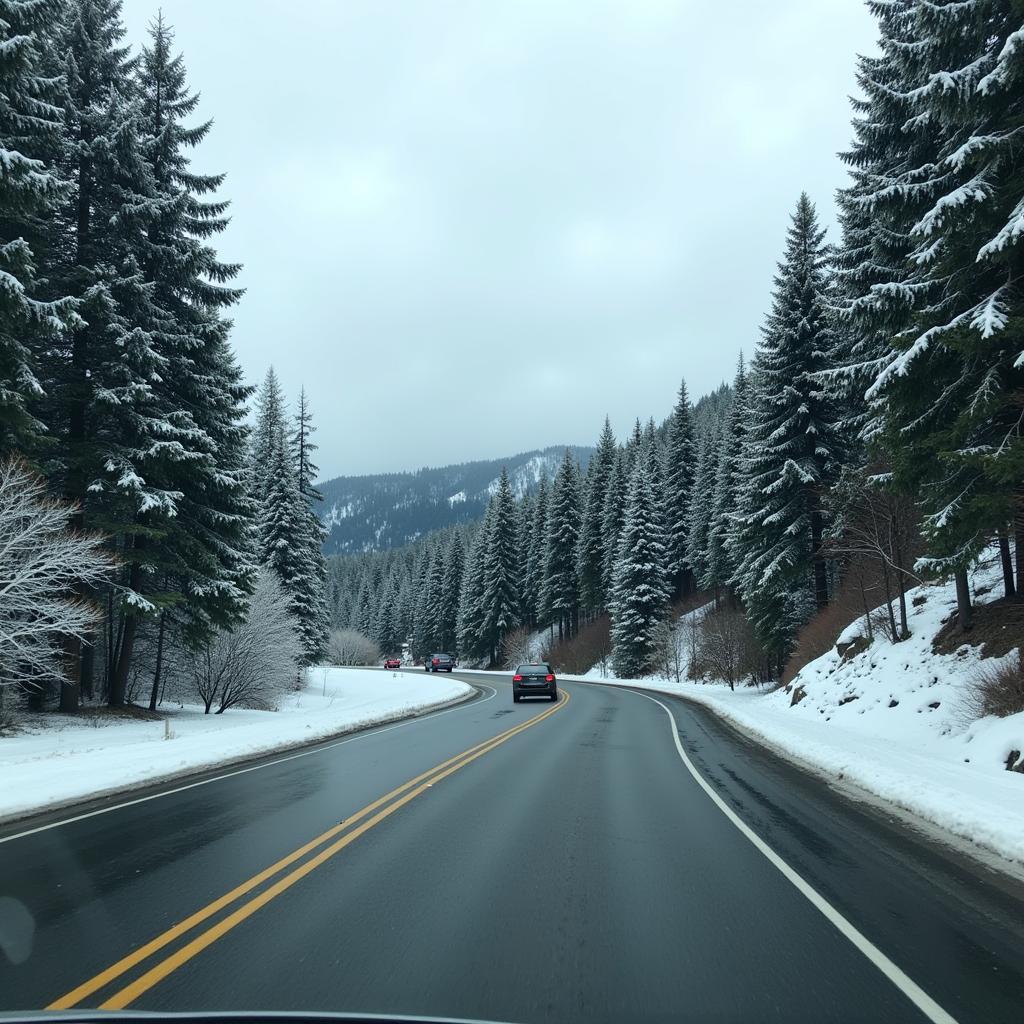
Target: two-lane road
530, 862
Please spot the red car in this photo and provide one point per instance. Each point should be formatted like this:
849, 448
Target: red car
393, 663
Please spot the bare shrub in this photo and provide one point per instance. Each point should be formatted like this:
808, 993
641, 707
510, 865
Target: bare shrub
350, 647
516, 648
727, 648
254, 663
998, 689
590, 647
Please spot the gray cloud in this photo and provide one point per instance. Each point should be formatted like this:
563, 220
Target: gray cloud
536, 212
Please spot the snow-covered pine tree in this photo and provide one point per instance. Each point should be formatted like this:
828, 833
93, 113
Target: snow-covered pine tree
451, 589
559, 595
678, 491
534, 569
590, 549
425, 576
472, 643
702, 503
270, 422
30, 188
721, 563
640, 588
614, 517
501, 570
202, 554
302, 450
951, 391
283, 550
788, 456
115, 445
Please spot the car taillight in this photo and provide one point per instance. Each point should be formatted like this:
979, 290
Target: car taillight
517, 679
549, 679
437, 661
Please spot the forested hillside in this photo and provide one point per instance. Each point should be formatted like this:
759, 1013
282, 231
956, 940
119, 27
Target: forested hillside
387, 510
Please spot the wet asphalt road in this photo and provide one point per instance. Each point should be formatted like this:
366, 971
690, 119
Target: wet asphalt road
571, 870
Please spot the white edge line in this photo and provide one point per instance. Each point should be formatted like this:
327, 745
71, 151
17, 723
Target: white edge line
896, 975
360, 735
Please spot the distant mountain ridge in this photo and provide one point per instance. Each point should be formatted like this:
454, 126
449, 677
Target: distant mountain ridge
388, 510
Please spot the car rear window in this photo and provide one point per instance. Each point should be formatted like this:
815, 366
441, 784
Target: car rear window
533, 670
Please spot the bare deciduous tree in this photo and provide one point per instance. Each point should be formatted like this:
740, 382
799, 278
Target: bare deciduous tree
257, 661
881, 526
350, 647
41, 560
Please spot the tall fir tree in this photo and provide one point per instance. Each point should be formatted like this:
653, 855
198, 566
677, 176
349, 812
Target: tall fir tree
951, 389
614, 517
789, 456
500, 570
640, 587
534, 565
559, 596
721, 561
30, 191
590, 550
678, 491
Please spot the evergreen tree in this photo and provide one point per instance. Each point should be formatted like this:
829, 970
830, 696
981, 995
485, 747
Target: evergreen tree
951, 387
451, 589
303, 448
614, 517
30, 189
472, 614
500, 570
678, 491
789, 452
700, 513
559, 596
590, 553
722, 563
283, 550
640, 590
534, 566
270, 422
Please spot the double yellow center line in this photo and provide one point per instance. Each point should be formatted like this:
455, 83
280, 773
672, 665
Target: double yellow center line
370, 815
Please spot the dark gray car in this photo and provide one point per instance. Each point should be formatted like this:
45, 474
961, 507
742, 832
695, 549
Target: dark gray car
439, 663
535, 680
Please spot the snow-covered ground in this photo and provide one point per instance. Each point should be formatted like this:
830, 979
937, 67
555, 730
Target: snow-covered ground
60, 759
893, 720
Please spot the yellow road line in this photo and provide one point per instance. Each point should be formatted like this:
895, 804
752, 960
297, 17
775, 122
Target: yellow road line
151, 977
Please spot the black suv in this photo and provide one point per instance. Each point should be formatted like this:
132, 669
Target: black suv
534, 681
439, 663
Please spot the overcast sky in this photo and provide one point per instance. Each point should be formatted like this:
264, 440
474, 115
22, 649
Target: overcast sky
473, 227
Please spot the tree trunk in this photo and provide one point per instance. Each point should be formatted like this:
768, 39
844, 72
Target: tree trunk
820, 573
153, 693
1018, 551
867, 610
70, 689
119, 683
88, 676
1009, 590
963, 600
888, 601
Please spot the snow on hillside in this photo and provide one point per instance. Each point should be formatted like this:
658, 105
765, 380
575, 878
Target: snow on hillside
895, 720
56, 760
526, 477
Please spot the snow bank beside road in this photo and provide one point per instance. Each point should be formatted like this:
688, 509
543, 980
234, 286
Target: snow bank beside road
892, 720
60, 759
